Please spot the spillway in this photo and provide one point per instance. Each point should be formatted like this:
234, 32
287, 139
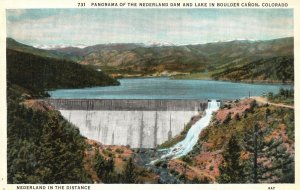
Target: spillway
185, 146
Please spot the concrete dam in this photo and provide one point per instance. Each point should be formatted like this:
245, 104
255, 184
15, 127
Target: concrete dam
137, 123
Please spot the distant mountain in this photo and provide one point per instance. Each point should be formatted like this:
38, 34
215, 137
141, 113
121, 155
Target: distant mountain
133, 59
159, 43
75, 51
187, 59
58, 46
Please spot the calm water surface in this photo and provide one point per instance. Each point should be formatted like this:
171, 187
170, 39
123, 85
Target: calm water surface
165, 88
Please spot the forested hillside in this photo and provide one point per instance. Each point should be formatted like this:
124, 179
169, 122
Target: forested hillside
272, 69
259, 145
42, 147
38, 74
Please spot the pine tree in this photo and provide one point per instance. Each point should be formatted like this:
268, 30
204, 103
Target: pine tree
98, 163
129, 174
105, 169
281, 163
231, 170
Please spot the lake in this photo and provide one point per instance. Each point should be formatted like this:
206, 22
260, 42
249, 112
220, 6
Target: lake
165, 88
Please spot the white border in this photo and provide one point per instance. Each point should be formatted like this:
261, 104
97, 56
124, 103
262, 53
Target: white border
22, 4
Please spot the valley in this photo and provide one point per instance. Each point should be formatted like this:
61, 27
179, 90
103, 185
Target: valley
63, 113
220, 60
188, 61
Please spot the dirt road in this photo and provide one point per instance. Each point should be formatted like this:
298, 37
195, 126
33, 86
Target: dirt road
265, 101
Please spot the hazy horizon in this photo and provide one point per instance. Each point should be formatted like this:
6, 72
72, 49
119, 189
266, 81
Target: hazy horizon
81, 46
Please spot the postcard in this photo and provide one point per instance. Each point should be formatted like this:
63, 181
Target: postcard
147, 94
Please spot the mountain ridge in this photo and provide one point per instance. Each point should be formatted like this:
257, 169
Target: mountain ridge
138, 60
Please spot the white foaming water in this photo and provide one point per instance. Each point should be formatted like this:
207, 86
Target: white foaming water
184, 147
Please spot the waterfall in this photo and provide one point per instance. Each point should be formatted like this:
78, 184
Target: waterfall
185, 146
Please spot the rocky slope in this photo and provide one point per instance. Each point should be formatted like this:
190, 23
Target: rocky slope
226, 149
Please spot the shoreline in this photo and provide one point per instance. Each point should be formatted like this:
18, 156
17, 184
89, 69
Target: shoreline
212, 79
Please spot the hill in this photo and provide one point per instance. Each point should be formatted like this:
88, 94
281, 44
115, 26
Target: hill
42, 147
212, 60
138, 60
17, 46
37, 73
246, 142
268, 70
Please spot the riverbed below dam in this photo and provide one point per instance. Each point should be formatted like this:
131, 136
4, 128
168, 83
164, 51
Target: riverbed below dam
137, 123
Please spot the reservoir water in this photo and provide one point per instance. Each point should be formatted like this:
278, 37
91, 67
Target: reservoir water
165, 88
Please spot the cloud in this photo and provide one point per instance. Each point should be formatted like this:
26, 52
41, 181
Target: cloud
178, 26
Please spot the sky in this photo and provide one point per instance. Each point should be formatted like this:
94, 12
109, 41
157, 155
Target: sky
176, 26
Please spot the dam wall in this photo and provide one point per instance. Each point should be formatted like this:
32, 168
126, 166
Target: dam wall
139, 129
127, 104
137, 123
